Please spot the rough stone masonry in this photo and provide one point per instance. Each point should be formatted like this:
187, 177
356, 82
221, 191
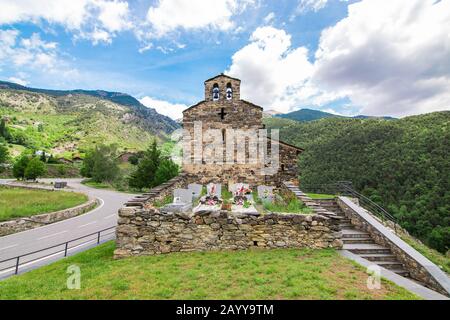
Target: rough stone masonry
223, 110
149, 232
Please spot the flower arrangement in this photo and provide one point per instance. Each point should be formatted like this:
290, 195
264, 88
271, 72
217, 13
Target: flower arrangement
242, 195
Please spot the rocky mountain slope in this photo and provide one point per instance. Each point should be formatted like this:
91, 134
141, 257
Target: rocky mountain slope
69, 122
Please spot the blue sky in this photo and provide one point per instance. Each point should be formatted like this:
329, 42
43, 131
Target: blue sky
346, 57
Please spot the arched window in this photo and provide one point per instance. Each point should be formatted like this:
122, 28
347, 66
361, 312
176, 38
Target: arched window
229, 93
215, 92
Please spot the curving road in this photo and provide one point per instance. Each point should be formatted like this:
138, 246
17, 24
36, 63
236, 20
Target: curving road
102, 217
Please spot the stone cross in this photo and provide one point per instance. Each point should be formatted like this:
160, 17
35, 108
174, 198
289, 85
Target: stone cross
222, 113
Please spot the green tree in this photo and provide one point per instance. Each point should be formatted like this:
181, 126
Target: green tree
167, 170
101, 164
4, 156
20, 165
144, 176
35, 169
43, 157
4, 132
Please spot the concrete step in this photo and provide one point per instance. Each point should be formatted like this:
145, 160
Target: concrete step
357, 240
365, 248
378, 257
391, 265
346, 226
401, 272
350, 233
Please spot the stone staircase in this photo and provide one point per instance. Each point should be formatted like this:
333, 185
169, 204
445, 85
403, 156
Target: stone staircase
140, 200
361, 243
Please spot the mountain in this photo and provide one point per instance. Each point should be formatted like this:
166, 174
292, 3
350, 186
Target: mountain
153, 119
307, 115
402, 165
68, 122
271, 113
311, 115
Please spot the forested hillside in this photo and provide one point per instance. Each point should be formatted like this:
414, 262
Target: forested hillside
403, 165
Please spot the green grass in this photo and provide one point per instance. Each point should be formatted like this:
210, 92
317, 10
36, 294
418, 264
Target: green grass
434, 256
320, 196
254, 274
161, 203
293, 206
17, 202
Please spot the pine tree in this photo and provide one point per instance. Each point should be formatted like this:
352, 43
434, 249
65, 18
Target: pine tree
144, 176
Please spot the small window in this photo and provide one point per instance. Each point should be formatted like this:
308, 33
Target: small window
215, 92
229, 93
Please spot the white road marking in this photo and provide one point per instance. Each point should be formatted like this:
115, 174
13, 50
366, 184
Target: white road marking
52, 235
12, 246
110, 216
87, 224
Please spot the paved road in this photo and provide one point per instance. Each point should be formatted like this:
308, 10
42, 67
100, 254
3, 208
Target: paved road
104, 216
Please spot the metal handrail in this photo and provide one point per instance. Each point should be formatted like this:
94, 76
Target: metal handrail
65, 250
345, 188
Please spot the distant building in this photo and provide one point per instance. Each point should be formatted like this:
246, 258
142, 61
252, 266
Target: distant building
125, 157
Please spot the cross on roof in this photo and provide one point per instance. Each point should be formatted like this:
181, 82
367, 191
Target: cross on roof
222, 113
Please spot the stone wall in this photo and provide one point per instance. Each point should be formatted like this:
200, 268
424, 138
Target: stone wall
147, 232
419, 267
28, 223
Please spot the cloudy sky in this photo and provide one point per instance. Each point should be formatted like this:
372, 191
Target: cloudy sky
373, 57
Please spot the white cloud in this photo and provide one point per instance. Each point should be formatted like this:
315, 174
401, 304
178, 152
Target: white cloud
18, 81
273, 74
172, 110
310, 5
386, 58
170, 15
87, 17
269, 18
390, 58
32, 53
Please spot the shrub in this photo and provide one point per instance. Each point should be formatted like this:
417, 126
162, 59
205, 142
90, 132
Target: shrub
35, 168
20, 165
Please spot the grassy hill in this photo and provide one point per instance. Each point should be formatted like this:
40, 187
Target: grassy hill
68, 122
403, 165
255, 274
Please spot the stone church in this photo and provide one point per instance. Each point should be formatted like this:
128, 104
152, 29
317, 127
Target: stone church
223, 111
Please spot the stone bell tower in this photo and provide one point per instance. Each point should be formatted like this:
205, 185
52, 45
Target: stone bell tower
223, 112
223, 85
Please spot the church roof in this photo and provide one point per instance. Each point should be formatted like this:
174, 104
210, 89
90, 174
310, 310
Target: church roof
223, 75
203, 101
289, 145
